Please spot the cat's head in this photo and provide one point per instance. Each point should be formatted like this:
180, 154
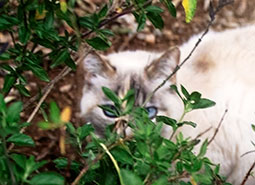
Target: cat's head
139, 70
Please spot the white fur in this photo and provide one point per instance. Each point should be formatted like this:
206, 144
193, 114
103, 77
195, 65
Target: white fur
229, 81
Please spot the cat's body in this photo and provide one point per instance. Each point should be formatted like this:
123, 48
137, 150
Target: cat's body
222, 69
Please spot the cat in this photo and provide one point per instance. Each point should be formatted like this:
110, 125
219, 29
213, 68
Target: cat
221, 69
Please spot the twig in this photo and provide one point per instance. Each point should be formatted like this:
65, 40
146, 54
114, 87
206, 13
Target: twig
248, 174
212, 14
86, 168
218, 127
202, 133
34, 112
61, 75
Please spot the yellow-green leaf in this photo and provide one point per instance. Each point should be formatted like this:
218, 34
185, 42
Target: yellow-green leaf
63, 6
189, 8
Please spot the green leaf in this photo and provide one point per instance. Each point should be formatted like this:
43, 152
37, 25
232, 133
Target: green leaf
170, 7
106, 32
188, 123
103, 12
9, 81
62, 163
189, 8
99, 43
141, 22
54, 112
87, 22
203, 103
5, 56
156, 20
21, 140
2, 104
203, 149
84, 131
49, 20
154, 9
61, 57
70, 129
13, 112
130, 178
112, 96
37, 70
121, 155
169, 121
46, 125
47, 178
22, 90
161, 181
185, 92
70, 63
24, 34
253, 127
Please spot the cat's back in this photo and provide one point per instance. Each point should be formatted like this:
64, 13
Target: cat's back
221, 58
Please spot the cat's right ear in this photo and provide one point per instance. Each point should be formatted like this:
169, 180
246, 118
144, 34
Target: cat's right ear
97, 65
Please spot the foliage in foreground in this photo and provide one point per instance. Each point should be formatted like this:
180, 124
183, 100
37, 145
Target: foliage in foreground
141, 158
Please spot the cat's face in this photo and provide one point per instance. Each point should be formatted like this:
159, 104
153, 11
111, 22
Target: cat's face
139, 70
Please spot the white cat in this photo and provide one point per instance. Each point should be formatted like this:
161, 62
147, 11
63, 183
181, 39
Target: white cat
222, 69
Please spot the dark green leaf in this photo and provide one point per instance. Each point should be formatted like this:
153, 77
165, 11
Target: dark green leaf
103, 12
169, 121
112, 96
195, 96
170, 7
70, 129
9, 81
203, 103
5, 56
156, 20
106, 32
2, 104
141, 22
154, 9
188, 123
21, 140
61, 57
37, 70
185, 92
253, 127
13, 112
22, 90
49, 20
99, 43
24, 34
87, 22
47, 178
70, 63
130, 178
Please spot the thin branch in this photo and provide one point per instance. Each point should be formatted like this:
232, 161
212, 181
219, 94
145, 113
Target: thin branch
248, 174
213, 12
218, 127
61, 75
34, 112
202, 133
86, 168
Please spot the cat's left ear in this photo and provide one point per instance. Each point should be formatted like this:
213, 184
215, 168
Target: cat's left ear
164, 65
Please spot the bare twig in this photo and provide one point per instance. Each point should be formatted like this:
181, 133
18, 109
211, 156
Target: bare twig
61, 75
221, 4
202, 133
248, 174
34, 112
86, 168
218, 127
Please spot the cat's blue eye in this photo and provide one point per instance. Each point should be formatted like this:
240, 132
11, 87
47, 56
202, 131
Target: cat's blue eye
110, 111
152, 111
